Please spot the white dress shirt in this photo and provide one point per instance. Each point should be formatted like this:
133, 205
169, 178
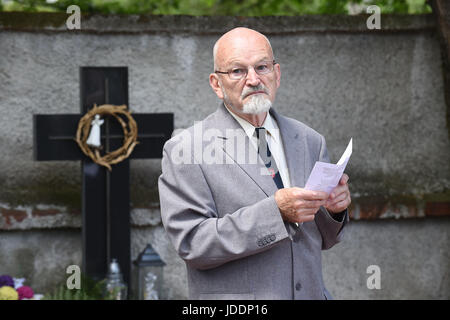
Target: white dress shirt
273, 139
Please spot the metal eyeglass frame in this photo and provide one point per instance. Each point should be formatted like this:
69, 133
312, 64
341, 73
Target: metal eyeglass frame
246, 74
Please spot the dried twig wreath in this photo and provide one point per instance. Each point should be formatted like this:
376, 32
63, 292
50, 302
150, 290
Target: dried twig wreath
129, 132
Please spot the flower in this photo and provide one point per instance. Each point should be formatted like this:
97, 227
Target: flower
18, 282
8, 293
13, 289
6, 280
25, 292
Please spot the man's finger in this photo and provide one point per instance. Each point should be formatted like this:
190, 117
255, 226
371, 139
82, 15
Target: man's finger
338, 190
311, 195
337, 198
310, 203
344, 179
341, 205
307, 211
306, 218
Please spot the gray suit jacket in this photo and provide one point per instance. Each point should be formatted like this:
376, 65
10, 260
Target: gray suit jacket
225, 224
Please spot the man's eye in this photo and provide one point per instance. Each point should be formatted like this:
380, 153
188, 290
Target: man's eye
262, 67
237, 71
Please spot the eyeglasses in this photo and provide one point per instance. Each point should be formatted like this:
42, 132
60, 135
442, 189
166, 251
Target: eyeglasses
238, 73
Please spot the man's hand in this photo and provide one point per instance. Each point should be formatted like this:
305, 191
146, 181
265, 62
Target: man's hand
339, 198
299, 205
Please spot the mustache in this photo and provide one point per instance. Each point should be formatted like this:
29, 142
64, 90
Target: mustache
250, 90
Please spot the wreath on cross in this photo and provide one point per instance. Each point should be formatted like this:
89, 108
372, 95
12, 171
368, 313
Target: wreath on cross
86, 124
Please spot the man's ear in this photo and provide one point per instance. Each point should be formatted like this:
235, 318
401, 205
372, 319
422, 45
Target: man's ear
214, 83
278, 74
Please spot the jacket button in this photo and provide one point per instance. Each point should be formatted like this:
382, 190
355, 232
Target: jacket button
272, 237
298, 286
260, 244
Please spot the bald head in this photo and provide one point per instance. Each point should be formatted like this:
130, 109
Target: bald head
245, 74
236, 41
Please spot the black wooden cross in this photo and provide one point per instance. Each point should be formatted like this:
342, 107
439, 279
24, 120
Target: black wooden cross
105, 195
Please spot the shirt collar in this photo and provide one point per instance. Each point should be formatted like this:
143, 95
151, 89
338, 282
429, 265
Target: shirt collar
269, 124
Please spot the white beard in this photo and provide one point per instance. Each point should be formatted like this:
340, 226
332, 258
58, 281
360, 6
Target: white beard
257, 104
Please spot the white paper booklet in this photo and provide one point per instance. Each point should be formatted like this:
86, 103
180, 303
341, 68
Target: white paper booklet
325, 176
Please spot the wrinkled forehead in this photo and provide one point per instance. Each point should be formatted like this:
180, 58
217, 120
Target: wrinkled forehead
244, 48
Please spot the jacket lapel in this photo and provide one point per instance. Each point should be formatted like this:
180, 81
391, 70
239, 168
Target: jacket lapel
294, 148
232, 130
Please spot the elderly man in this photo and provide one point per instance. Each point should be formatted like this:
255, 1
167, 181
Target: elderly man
248, 230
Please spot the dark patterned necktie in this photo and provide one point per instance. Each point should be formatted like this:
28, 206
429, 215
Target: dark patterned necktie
266, 156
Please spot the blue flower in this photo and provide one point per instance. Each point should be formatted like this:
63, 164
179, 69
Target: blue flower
6, 280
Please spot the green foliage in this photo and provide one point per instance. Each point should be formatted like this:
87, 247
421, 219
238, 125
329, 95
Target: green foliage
62, 293
89, 290
403, 6
220, 7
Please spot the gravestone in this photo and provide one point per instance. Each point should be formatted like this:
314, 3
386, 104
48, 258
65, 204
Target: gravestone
105, 194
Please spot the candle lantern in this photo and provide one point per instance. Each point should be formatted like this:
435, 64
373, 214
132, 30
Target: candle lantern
150, 274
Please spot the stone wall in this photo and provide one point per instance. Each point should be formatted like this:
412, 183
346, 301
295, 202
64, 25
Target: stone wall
383, 88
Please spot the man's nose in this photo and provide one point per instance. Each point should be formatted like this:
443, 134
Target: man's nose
252, 78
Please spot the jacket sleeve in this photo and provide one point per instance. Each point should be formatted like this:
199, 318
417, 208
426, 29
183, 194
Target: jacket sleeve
203, 238
330, 225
